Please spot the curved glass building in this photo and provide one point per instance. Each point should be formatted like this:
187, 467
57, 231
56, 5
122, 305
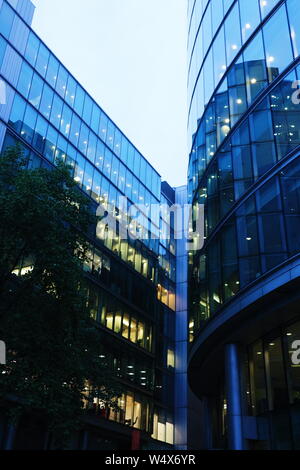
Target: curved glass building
244, 123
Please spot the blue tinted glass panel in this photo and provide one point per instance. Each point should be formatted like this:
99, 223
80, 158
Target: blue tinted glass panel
278, 46
83, 139
250, 17
40, 134
87, 110
25, 79
50, 145
91, 152
17, 113
99, 159
62, 79
32, 49
266, 6
66, 121
29, 122
56, 111
75, 129
2, 50
294, 18
95, 118
6, 19
255, 67
36, 91
79, 100
46, 101
52, 71
71, 91
219, 56
42, 60
233, 34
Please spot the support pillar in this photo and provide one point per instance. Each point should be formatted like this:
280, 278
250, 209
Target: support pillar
233, 396
10, 437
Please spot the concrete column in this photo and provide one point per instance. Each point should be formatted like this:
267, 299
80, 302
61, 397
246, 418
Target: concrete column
233, 396
10, 437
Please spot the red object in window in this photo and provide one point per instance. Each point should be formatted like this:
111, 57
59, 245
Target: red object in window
136, 439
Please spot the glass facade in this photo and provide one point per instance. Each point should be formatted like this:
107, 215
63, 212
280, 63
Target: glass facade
243, 91
131, 294
274, 394
242, 134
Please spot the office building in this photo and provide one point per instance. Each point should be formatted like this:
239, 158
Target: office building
132, 282
244, 167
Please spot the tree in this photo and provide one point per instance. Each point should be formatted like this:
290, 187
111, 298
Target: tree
53, 346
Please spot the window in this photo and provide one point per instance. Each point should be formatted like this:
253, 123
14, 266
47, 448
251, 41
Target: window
50, 146
207, 29
25, 79
28, 126
46, 101
40, 134
110, 134
17, 113
83, 140
208, 78
125, 326
71, 91
255, 67
79, 100
264, 157
66, 120
141, 334
75, 130
32, 49
61, 84
219, 56
250, 17
95, 118
103, 126
42, 60
91, 152
118, 323
87, 110
60, 154
292, 334
278, 47
97, 181
36, 91
56, 111
266, 6
52, 71
233, 34
293, 12
99, 158
272, 239
278, 386
6, 19
171, 358
2, 50
88, 177
261, 126
257, 379
133, 330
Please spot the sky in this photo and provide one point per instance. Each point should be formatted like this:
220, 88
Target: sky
130, 55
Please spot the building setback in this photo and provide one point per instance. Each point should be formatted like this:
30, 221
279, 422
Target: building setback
132, 283
244, 167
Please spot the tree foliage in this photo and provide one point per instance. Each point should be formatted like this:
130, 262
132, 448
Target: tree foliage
53, 347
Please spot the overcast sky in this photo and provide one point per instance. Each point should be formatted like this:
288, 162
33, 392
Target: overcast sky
131, 57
